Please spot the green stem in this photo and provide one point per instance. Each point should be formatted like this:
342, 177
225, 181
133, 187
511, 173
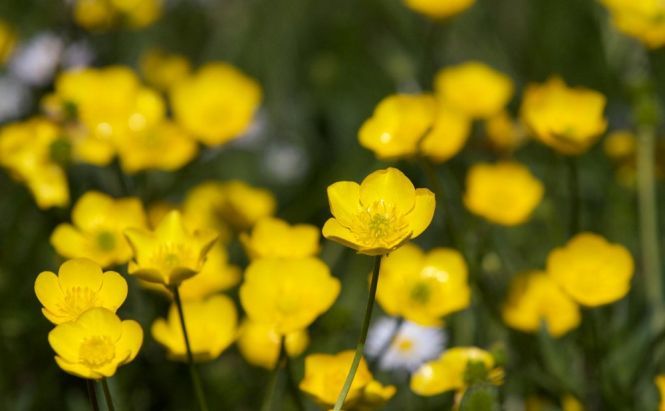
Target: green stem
107, 395
291, 381
196, 381
363, 335
574, 194
272, 385
92, 394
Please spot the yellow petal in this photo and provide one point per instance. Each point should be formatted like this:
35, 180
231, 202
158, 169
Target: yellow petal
80, 272
130, 341
76, 369
344, 199
65, 340
100, 321
113, 291
389, 187
335, 231
68, 241
423, 211
90, 210
47, 289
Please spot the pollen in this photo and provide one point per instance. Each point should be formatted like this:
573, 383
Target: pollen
380, 225
403, 345
96, 351
77, 300
172, 255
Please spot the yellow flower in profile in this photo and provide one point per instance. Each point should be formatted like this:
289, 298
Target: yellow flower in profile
504, 193
272, 237
660, 384
504, 133
288, 294
96, 232
7, 41
325, 375
447, 136
640, 19
162, 69
380, 214
474, 89
439, 9
568, 119
211, 328
448, 371
217, 103
591, 270
533, 298
95, 344
423, 287
79, 286
170, 254
259, 343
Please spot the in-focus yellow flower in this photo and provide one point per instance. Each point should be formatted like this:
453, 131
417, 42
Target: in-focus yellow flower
79, 286
423, 287
95, 344
641, 19
439, 9
170, 254
591, 270
217, 103
275, 238
211, 328
660, 384
325, 375
504, 133
474, 88
534, 297
7, 41
288, 294
162, 70
568, 119
96, 232
259, 343
504, 193
380, 214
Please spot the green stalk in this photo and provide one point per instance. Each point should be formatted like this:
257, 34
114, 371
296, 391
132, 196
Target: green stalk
363, 335
574, 194
92, 394
107, 395
291, 381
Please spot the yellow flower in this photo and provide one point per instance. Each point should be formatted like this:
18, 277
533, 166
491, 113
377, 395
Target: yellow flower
447, 136
170, 254
570, 403
591, 270
567, 119
534, 297
504, 193
380, 214
7, 41
620, 145
423, 287
641, 19
447, 372
104, 14
474, 88
217, 103
94, 14
272, 237
660, 384
96, 344
211, 328
162, 70
439, 9
259, 343
97, 230
79, 286
288, 294
325, 375
27, 149
504, 133
139, 13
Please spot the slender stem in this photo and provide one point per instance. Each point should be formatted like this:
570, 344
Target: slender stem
291, 381
107, 395
92, 394
363, 335
574, 194
196, 381
272, 385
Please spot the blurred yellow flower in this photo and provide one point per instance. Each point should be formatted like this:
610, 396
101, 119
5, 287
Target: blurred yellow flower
104, 14
591, 270
95, 344
259, 343
211, 328
534, 297
325, 375
94, 14
437, 8
217, 103
96, 232
170, 254
139, 13
272, 237
570, 403
447, 135
567, 119
620, 145
660, 384
7, 41
474, 88
79, 286
504, 133
641, 19
378, 215
288, 294
504, 193
423, 287
162, 69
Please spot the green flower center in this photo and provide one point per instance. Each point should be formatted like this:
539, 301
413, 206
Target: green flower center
379, 225
420, 293
106, 240
96, 351
174, 255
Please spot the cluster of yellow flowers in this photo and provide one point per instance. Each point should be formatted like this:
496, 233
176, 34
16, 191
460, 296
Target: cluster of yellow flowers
105, 14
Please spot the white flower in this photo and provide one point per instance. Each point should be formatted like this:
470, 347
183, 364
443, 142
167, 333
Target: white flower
411, 345
36, 60
14, 100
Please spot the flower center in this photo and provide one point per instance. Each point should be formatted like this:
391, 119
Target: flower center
403, 345
77, 300
420, 293
96, 351
106, 241
172, 255
379, 225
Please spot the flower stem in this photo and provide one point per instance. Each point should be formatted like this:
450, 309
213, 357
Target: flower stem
107, 395
92, 394
272, 385
196, 381
291, 381
574, 194
363, 335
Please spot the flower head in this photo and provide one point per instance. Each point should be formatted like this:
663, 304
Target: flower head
275, 238
95, 344
259, 343
439, 9
101, 15
162, 70
640, 19
380, 214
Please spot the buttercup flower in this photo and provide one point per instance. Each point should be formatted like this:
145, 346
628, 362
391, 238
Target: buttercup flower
97, 229
534, 297
211, 328
259, 343
447, 135
162, 70
504, 133
567, 119
170, 254
104, 14
217, 103
641, 19
591, 270
504, 193
437, 8
423, 287
380, 214
79, 286
7, 41
474, 88
275, 238
95, 344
